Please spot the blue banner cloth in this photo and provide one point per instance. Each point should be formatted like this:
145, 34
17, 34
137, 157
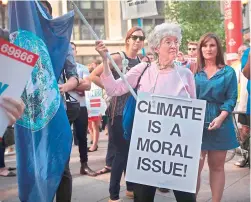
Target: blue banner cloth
43, 134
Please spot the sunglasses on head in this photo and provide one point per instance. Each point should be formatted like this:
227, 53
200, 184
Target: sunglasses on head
141, 38
192, 49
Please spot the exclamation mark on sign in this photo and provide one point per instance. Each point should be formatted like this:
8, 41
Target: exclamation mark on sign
185, 171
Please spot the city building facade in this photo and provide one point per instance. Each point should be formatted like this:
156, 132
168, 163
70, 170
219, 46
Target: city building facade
105, 17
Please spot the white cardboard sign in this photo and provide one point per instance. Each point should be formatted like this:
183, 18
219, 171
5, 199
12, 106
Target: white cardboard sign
132, 9
166, 142
16, 67
95, 103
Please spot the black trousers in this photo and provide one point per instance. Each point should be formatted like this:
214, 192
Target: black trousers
64, 191
120, 159
2, 151
144, 193
81, 125
111, 148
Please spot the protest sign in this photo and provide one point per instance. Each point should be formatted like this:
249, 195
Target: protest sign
95, 103
132, 9
16, 67
166, 142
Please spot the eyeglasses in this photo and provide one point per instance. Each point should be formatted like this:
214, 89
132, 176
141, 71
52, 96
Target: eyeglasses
170, 43
192, 49
141, 38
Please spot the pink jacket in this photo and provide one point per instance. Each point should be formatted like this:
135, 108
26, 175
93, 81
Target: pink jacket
161, 82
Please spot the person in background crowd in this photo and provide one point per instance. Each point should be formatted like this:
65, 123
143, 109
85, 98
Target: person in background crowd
64, 191
14, 110
192, 55
94, 122
149, 57
243, 118
94, 64
245, 65
81, 123
164, 42
181, 59
118, 147
244, 105
192, 49
185, 57
94, 130
217, 84
240, 77
245, 62
140, 56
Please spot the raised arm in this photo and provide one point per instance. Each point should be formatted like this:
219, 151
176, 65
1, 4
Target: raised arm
96, 73
117, 87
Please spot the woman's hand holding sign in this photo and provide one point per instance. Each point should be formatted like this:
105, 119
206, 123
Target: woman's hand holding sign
14, 108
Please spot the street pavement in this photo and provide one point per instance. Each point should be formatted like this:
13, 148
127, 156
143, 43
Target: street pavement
95, 189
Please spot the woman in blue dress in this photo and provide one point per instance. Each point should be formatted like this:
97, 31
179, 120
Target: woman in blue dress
217, 84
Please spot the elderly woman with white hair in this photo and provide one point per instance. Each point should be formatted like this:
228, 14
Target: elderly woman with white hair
162, 77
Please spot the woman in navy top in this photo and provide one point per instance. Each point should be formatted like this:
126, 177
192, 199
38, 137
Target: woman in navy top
217, 84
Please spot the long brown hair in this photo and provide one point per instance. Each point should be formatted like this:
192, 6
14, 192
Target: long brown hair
200, 59
131, 31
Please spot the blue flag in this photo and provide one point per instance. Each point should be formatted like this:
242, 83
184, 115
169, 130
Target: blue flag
43, 134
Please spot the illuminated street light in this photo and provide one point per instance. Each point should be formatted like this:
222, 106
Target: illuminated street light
4, 2
244, 2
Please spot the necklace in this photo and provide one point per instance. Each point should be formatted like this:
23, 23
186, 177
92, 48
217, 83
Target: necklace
161, 67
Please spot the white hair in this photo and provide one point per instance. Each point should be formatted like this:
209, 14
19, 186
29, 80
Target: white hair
161, 31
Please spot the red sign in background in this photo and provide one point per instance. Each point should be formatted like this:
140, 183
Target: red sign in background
233, 28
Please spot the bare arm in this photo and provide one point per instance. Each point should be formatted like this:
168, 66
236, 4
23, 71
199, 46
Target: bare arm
84, 85
95, 75
70, 84
70, 68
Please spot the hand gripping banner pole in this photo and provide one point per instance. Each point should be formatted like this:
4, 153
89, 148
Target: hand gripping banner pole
108, 55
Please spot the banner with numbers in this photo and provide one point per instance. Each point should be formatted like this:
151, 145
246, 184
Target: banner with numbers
16, 67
